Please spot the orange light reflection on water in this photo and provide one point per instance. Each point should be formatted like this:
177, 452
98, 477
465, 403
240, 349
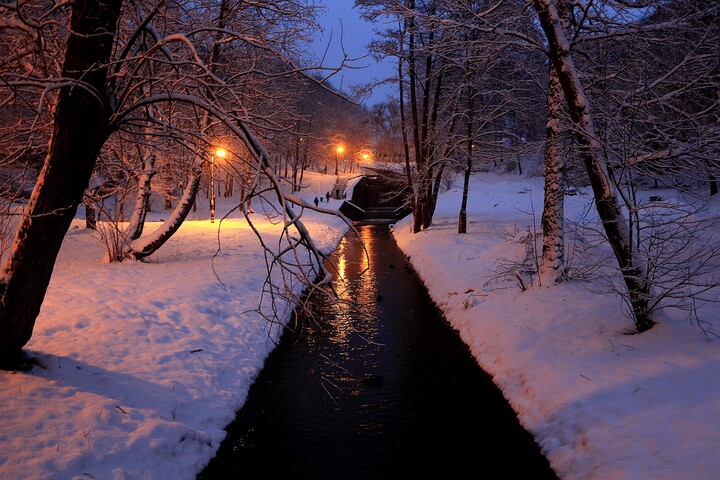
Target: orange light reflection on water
356, 285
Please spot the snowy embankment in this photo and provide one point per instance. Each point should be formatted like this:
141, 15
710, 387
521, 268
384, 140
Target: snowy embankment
142, 365
602, 404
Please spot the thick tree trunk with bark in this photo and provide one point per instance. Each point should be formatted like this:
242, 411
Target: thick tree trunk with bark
606, 199
80, 129
436, 186
552, 261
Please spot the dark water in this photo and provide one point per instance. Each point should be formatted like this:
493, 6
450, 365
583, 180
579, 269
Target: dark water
391, 394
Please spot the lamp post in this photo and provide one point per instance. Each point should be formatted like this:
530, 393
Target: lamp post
220, 152
365, 159
339, 150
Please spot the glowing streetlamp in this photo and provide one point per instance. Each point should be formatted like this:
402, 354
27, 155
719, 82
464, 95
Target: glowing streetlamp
220, 152
339, 150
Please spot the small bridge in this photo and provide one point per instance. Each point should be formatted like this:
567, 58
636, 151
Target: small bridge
378, 195
338, 190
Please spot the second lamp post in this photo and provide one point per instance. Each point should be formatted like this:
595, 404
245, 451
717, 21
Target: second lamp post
220, 152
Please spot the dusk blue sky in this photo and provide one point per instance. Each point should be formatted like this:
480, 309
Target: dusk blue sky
356, 34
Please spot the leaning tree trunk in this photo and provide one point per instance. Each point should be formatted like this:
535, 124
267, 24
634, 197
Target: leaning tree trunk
146, 246
137, 221
80, 129
606, 199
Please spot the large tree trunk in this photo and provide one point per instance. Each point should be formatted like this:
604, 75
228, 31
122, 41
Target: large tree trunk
552, 262
606, 199
553, 216
80, 128
434, 177
427, 149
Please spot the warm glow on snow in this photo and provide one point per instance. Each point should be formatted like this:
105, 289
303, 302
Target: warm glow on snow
144, 363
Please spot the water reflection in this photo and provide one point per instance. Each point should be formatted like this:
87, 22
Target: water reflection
381, 390
352, 320
341, 261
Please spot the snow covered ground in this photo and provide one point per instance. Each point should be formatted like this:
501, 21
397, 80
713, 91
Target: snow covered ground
602, 404
145, 363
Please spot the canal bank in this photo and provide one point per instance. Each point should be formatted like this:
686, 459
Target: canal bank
387, 390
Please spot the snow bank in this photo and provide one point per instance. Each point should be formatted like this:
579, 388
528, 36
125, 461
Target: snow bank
142, 365
602, 404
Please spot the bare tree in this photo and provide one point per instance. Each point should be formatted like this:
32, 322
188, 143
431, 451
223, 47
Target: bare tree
552, 263
149, 81
653, 84
421, 72
639, 83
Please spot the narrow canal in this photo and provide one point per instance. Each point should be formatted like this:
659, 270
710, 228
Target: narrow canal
391, 393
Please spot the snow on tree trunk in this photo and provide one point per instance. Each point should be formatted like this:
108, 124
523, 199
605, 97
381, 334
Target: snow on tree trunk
553, 216
137, 220
606, 199
403, 130
436, 185
146, 246
552, 261
80, 128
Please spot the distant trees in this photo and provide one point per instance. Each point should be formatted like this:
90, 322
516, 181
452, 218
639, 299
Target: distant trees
385, 126
494, 85
463, 95
632, 91
421, 76
322, 119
